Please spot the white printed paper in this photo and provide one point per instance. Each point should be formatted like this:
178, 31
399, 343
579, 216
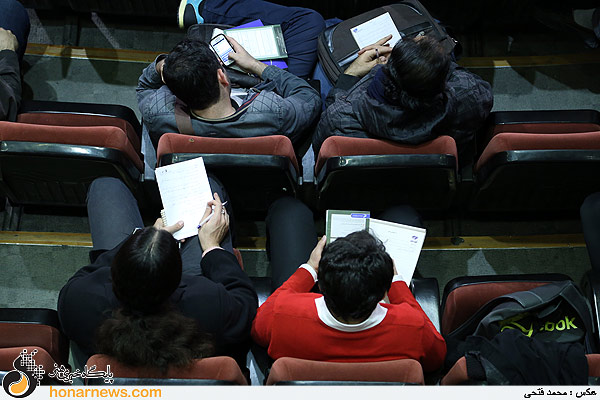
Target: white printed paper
184, 190
375, 29
402, 242
260, 43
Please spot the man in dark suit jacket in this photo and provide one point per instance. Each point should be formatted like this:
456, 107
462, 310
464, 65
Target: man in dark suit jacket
213, 289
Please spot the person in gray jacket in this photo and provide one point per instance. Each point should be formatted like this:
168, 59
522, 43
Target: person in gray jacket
282, 104
410, 94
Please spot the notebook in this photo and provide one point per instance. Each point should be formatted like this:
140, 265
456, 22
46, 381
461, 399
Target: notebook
184, 190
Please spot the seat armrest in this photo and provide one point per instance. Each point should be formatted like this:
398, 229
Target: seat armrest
427, 294
106, 110
42, 316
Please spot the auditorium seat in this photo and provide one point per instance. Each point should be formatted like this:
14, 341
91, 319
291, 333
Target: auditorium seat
295, 371
55, 150
458, 373
373, 174
255, 171
32, 328
537, 161
463, 296
220, 370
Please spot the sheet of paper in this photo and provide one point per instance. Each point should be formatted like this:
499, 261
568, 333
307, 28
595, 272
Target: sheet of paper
259, 42
377, 28
184, 190
402, 242
254, 24
339, 223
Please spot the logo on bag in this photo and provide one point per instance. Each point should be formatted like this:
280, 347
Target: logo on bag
22, 381
565, 323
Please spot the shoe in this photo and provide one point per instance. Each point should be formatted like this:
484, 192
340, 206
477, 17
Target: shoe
189, 13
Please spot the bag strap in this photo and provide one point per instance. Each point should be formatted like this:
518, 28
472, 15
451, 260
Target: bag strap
183, 118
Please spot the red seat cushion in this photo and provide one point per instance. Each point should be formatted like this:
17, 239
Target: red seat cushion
335, 146
66, 119
465, 300
458, 374
100, 136
508, 141
42, 358
218, 368
295, 369
278, 145
14, 334
593, 364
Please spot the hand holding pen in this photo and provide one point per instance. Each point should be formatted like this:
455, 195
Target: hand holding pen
205, 220
214, 224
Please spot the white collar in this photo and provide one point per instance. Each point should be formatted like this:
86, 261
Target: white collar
328, 319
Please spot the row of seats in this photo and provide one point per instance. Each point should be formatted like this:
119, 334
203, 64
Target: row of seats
526, 161
462, 297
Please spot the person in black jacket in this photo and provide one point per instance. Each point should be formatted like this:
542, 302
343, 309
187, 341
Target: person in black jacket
410, 94
148, 302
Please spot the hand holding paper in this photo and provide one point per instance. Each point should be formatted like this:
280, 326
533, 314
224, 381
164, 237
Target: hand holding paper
159, 224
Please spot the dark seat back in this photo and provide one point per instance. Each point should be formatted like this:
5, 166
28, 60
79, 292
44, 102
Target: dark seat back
537, 161
57, 149
373, 174
255, 170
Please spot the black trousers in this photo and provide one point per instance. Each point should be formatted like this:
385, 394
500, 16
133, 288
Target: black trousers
291, 234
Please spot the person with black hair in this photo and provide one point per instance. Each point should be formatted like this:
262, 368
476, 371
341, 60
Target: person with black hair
411, 93
149, 301
365, 311
282, 104
14, 30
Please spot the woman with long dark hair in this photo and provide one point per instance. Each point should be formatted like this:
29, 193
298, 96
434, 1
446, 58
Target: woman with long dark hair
149, 301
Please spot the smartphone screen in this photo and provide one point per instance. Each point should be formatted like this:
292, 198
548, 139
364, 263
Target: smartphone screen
221, 46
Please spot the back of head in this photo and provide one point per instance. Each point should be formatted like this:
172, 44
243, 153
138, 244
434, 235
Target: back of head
147, 331
417, 70
146, 270
190, 72
354, 274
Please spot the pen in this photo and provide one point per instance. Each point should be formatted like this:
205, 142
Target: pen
205, 220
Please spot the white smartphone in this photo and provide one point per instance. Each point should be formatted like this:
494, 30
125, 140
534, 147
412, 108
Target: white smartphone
222, 48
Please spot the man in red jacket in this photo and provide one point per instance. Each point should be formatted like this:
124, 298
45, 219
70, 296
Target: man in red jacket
365, 312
